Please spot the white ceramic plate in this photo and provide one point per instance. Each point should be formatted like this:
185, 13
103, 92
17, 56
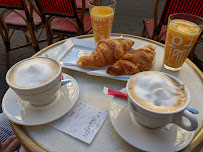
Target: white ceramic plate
21, 112
145, 139
73, 48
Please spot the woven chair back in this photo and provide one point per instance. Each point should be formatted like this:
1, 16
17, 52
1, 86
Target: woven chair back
194, 7
65, 8
14, 4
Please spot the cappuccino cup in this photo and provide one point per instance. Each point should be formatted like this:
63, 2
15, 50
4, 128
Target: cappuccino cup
157, 99
35, 80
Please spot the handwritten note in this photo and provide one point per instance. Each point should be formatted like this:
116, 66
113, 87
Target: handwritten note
82, 122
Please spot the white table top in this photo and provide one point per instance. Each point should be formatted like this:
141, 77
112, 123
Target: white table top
91, 92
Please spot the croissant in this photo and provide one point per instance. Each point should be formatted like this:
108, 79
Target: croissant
108, 51
133, 62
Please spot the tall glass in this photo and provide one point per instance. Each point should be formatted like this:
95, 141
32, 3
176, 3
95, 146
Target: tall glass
183, 31
102, 14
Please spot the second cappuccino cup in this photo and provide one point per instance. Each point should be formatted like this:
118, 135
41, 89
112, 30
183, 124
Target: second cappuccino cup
35, 80
157, 99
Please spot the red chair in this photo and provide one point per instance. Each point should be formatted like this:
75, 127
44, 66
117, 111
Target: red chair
22, 18
69, 17
156, 29
79, 4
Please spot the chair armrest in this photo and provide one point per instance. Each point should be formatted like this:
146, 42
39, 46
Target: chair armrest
160, 36
82, 13
32, 6
155, 17
67, 19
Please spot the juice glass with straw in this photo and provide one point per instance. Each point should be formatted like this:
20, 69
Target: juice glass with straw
183, 31
102, 14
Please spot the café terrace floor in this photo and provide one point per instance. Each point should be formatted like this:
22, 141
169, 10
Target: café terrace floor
128, 20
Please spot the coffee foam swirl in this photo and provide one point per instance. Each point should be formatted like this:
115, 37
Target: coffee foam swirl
157, 92
33, 72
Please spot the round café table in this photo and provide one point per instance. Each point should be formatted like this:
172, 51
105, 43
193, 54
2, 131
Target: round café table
46, 138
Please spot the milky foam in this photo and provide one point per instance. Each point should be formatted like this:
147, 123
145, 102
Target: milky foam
34, 72
157, 92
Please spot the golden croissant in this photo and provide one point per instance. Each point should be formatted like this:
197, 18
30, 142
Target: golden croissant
133, 62
108, 51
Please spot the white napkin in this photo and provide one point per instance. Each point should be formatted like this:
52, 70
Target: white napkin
73, 63
102, 72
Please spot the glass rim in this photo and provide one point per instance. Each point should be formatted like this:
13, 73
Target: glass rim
112, 5
169, 19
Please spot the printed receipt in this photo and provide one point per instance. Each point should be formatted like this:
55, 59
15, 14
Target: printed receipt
82, 122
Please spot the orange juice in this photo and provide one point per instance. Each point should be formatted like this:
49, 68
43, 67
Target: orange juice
102, 20
181, 37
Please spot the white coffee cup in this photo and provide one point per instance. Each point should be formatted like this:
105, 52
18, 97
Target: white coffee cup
35, 80
154, 119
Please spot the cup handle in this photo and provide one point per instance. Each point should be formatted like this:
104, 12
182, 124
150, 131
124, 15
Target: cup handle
180, 122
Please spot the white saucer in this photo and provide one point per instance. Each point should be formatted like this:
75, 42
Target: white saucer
145, 139
23, 113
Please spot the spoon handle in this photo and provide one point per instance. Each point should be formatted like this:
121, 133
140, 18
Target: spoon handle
192, 110
65, 81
